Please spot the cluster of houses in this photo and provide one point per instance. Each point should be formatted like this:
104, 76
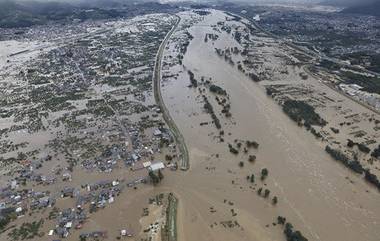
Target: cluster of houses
89, 198
356, 91
138, 148
95, 196
68, 219
17, 202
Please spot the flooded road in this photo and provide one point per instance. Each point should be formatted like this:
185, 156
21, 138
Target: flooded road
320, 197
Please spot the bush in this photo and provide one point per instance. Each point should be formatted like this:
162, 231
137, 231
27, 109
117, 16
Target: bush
363, 148
218, 90
350, 143
155, 179
232, 149
270, 91
335, 130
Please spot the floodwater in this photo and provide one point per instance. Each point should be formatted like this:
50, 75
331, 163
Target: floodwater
313, 190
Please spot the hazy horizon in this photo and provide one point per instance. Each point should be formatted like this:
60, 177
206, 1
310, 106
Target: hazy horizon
341, 2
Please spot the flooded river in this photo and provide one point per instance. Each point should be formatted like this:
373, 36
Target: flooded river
320, 197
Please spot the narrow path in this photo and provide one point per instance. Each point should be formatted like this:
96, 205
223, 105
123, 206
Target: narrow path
184, 161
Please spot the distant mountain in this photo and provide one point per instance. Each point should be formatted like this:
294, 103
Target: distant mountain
365, 9
346, 3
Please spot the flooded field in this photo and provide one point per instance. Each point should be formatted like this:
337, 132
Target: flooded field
320, 197
79, 131
86, 153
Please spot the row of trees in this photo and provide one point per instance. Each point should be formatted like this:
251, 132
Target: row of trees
376, 152
185, 45
252, 144
193, 81
209, 109
372, 178
354, 165
265, 194
301, 111
290, 234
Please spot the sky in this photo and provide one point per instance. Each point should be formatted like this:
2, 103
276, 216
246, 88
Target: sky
339, 2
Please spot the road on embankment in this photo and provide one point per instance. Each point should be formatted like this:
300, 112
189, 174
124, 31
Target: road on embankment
157, 75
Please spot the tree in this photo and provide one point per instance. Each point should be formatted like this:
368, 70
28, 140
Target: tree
266, 193
372, 178
252, 179
21, 156
4, 222
252, 158
232, 149
264, 173
155, 179
259, 191
288, 229
350, 143
376, 152
281, 220
241, 164
293, 235
274, 200
160, 175
252, 144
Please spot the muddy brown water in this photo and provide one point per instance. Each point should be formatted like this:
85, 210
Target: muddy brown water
314, 194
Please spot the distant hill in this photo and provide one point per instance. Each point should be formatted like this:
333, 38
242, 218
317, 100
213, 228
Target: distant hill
22, 13
28, 13
366, 9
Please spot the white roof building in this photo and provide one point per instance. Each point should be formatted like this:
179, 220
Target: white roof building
156, 166
147, 164
157, 132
